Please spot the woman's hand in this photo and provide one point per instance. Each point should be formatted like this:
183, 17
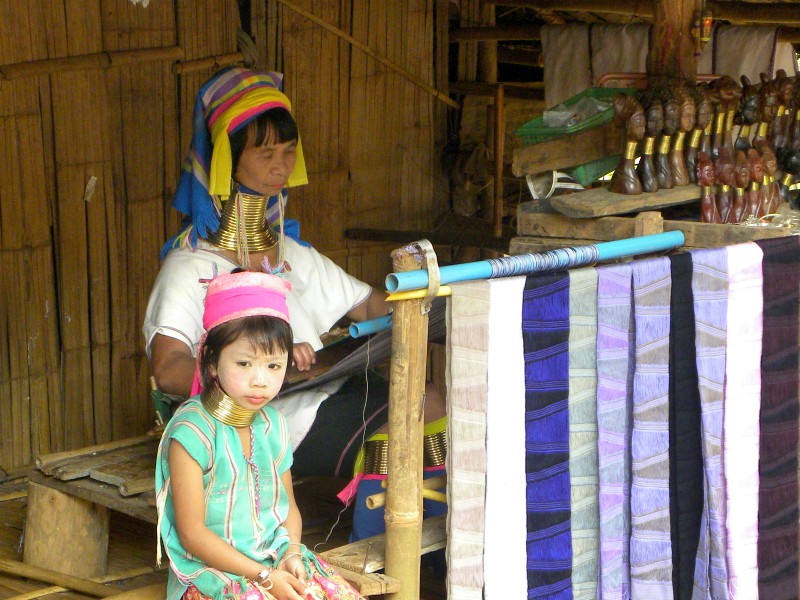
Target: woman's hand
294, 565
304, 356
286, 586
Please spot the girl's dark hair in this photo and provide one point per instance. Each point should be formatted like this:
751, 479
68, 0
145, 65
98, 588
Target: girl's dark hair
268, 334
276, 125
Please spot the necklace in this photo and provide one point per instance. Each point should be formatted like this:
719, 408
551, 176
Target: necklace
224, 409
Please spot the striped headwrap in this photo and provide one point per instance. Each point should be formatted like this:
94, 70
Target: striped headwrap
225, 103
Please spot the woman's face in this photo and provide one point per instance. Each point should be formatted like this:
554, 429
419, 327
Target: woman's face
687, 115
703, 117
266, 169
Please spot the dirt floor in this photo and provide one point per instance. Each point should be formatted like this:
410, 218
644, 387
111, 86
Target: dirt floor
132, 546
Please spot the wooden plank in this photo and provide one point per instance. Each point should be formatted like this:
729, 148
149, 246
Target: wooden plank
368, 555
121, 473
568, 151
82, 466
45, 461
538, 229
103, 494
600, 202
370, 584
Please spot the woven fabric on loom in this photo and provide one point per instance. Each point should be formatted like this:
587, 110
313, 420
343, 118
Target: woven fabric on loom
778, 494
615, 360
504, 540
685, 441
740, 437
710, 291
651, 551
467, 346
583, 469
545, 335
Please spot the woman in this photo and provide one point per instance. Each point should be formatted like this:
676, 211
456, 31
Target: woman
245, 152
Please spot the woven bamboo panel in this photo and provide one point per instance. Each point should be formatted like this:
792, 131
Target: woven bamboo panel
91, 157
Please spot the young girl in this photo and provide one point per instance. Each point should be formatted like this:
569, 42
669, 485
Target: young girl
226, 509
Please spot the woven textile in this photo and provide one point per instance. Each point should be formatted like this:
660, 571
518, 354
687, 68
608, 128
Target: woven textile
504, 539
651, 551
740, 431
583, 469
685, 450
545, 335
778, 513
710, 291
467, 345
615, 361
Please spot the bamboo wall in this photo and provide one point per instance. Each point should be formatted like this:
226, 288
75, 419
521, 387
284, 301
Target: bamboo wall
96, 104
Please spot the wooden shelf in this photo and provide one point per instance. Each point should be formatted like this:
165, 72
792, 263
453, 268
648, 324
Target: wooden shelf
600, 202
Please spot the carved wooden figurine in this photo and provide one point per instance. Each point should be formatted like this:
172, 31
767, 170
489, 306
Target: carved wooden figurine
702, 120
793, 141
712, 96
742, 178
790, 162
729, 94
747, 115
770, 188
705, 179
768, 107
783, 87
755, 194
726, 180
686, 117
654, 115
661, 157
628, 113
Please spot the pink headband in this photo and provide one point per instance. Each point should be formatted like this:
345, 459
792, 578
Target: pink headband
237, 295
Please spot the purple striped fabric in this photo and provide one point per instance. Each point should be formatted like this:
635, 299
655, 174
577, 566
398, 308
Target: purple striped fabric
710, 290
545, 338
615, 360
651, 550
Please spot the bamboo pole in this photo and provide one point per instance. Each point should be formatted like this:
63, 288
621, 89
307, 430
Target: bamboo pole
209, 62
406, 391
85, 586
85, 62
370, 52
48, 459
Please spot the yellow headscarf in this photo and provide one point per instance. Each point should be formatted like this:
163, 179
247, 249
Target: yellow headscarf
219, 180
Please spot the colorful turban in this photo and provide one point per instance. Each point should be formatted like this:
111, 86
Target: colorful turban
238, 295
226, 103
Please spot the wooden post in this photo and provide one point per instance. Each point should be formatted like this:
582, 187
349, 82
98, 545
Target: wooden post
65, 534
499, 139
648, 223
672, 49
406, 392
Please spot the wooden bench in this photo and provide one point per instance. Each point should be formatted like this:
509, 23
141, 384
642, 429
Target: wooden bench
70, 495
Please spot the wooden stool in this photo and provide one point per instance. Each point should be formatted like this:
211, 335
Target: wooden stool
64, 533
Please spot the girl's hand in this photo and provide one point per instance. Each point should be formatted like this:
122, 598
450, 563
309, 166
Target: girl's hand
286, 586
294, 565
304, 356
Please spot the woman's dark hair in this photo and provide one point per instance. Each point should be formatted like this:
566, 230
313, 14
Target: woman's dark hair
276, 125
265, 333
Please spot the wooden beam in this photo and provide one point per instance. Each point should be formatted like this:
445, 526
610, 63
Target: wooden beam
568, 150
785, 13
534, 32
671, 55
477, 88
528, 58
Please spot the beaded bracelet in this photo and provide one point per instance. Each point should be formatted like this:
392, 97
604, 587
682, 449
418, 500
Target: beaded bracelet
263, 579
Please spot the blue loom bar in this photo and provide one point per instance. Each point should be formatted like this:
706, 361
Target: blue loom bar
417, 279
369, 327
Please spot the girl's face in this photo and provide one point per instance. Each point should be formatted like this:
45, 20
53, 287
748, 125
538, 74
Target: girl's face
266, 169
249, 376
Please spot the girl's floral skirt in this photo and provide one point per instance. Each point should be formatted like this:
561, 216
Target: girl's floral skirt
322, 584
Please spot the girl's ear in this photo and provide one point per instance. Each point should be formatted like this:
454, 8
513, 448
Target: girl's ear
212, 370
